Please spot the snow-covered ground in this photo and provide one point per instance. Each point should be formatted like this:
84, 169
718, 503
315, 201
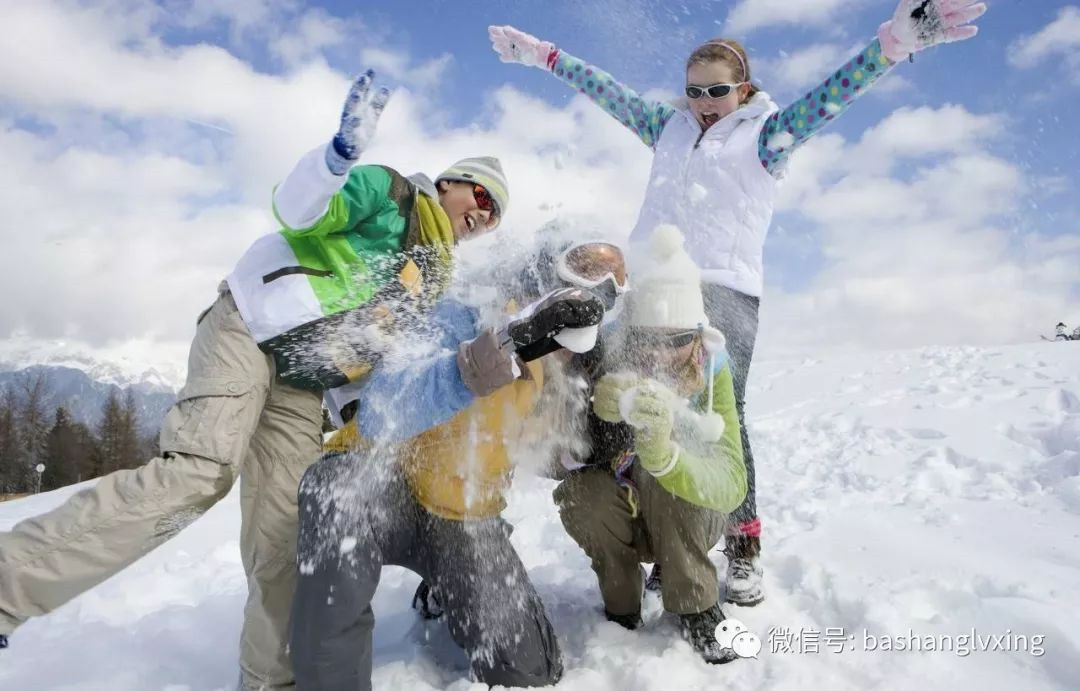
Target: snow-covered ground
926, 492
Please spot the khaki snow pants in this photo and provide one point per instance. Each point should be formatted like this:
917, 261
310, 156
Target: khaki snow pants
666, 530
232, 417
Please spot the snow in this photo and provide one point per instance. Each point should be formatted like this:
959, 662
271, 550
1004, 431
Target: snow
932, 493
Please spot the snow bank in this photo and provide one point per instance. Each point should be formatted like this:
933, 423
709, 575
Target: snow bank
917, 494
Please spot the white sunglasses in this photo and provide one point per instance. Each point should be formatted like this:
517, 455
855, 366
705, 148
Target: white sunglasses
714, 91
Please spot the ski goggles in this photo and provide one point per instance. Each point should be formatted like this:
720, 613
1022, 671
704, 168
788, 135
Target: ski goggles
485, 202
715, 91
599, 267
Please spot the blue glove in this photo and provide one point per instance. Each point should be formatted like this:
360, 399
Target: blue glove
358, 119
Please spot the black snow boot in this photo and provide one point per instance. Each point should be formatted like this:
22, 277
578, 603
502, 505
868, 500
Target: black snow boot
700, 630
426, 602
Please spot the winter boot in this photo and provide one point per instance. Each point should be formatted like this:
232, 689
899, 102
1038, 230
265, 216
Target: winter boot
532, 331
700, 630
426, 602
3, 642
627, 621
745, 585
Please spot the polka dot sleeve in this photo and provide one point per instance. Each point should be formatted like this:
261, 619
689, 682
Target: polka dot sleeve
790, 128
644, 118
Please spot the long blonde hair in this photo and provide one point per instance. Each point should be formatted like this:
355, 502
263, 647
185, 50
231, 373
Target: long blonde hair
731, 53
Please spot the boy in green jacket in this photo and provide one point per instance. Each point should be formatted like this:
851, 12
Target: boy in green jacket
304, 311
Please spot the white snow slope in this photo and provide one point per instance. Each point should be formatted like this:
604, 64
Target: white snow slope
927, 492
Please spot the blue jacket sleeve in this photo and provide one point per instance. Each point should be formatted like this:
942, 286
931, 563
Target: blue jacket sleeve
399, 402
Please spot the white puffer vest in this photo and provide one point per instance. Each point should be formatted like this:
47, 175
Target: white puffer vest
714, 188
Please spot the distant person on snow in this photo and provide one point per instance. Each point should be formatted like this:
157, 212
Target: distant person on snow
719, 157
1059, 332
303, 311
667, 469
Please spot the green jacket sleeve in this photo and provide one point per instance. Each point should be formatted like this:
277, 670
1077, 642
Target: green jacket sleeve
313, 202
710, 474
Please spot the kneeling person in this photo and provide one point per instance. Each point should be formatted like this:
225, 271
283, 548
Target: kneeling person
431, 503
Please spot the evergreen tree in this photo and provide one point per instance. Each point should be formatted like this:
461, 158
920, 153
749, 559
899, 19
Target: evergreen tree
108, 451
68, 451
130, 448
10, 444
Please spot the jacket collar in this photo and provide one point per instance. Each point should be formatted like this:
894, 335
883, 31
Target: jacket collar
424, 184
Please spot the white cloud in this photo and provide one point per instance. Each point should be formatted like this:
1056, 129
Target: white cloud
1059, 37
912, 133
399, 68
917, 223
147, 171
149, 167
802, 68
791, 73
749, 15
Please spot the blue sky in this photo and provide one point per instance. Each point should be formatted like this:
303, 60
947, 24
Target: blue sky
162, 126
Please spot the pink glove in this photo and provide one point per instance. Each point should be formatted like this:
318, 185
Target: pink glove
920, 24
517, 46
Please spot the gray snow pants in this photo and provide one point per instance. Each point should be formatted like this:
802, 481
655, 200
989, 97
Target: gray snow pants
736, 315
491, 607
232, 417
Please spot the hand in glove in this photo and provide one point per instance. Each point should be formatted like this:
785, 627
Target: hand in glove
517, 46
653, 417
358, 119
608, 394
485, 366
919, 24
534, 331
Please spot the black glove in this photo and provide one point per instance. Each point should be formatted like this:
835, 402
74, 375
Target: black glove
532, 331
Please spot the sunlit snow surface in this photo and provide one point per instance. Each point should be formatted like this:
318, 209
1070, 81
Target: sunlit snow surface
928, 491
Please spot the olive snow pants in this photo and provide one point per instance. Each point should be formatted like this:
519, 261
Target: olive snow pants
666, 530
346, 537
233, 417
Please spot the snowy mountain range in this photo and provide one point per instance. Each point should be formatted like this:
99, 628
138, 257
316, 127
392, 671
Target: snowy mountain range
82, 379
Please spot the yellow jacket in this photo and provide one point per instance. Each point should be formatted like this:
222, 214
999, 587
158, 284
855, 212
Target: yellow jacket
459, 470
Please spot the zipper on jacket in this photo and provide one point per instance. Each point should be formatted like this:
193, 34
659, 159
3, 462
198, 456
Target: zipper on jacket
292, 270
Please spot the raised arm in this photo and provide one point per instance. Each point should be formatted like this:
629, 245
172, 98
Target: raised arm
643, 117
916, 25
792, 127
326, 189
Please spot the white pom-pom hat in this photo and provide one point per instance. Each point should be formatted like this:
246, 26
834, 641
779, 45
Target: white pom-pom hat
667, 295
667, 288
